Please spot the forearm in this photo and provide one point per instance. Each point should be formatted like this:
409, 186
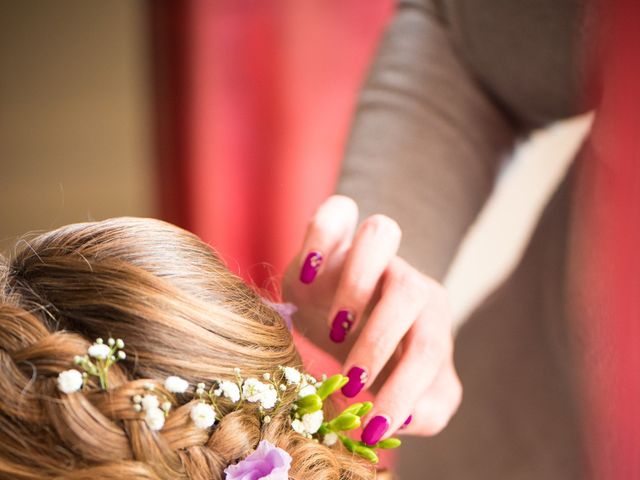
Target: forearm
426, 141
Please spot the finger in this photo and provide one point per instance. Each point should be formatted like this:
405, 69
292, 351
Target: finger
331, 227
403, 297
437, 404
374, 246
428, 347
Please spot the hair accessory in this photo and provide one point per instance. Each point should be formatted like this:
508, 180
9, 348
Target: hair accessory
99, 358
267, 461
266, 392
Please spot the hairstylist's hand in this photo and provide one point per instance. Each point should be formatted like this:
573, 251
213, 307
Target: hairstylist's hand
385, 320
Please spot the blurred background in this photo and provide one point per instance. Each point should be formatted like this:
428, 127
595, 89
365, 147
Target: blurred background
227, 118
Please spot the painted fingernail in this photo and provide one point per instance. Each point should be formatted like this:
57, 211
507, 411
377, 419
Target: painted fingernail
406, 422
375, 429
357, 378
310, 267
341, 325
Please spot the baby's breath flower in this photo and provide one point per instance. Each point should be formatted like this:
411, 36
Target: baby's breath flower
150, 402
70, 381
119, 343
282, 387
236, 370
298, 426
166, 406
230, 390
266, 376
266, 419
307, 390
99, 351
137, 407
252, 389
292, 375
201, 386
203, 415
330, 439
269, 398
137, 398
154, 418
176, 384
313, 421
121, 355
111, 342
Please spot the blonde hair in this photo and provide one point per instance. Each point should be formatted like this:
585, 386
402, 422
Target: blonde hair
181, 312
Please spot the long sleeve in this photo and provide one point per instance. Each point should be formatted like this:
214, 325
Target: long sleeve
426, 141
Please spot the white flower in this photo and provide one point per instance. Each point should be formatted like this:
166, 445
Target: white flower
70, 381
292, 375
150, 402
255, 391
307, 390
176, 384
230, 390
154, 418
313, 421
252, 389
330, 439
298, 426
269, 398
99, 350
203, 415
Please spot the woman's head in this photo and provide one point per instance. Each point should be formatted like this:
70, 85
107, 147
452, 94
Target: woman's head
181, 312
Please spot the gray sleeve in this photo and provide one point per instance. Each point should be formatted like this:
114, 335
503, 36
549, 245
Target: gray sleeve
426, 141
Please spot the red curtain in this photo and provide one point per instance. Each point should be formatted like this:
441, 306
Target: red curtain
254, 100
610, 283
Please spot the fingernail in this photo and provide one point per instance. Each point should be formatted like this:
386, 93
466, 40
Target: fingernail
375, 429
357, 378
341, 324
406, 422
310, 267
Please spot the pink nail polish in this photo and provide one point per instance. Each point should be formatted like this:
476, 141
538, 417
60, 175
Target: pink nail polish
406, 422
375, 429
357, 378
342, 323
310, 267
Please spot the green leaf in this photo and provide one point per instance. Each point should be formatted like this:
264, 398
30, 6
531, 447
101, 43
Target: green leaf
331, 384
366, 408
345, 421
309, 404
367, 453
389, 443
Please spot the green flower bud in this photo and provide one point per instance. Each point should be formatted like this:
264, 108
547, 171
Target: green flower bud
367, 453
348, 443
345, 421
332, 384
389, 443
309, 404
354, 409
366, 408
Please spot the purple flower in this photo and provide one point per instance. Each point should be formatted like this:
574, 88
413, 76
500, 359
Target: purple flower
268, 462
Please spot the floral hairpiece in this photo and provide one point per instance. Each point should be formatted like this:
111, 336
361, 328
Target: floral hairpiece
306, 416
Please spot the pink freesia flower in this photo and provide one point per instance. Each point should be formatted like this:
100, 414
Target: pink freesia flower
268, 462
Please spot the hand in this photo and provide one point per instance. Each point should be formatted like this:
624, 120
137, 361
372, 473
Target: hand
386, 322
